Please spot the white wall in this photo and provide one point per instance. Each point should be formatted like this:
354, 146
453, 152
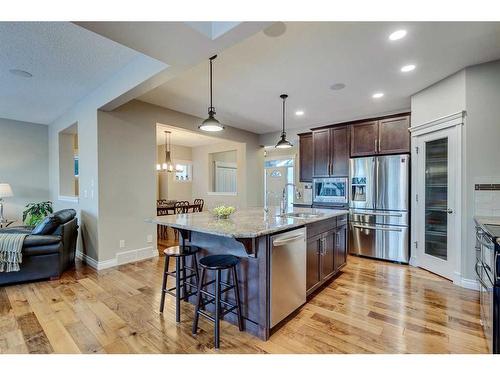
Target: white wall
24, 156
475, 90
482, 136
441, 99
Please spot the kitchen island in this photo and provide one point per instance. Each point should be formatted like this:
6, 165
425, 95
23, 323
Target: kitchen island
252, 234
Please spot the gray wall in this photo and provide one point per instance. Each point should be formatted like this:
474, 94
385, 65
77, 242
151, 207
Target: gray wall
24, 164
482, 151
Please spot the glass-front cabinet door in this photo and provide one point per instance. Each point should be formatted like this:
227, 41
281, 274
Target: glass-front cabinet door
436, 185
436, 198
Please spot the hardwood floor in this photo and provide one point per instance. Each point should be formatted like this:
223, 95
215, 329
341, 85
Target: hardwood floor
372, 307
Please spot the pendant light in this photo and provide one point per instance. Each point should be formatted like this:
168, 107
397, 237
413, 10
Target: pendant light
283, 143
211, 124
167, 165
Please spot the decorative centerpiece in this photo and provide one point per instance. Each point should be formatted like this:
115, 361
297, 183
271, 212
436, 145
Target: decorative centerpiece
223, 212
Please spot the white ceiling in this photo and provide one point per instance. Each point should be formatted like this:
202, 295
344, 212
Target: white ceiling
311, 56
181, 137
67, 63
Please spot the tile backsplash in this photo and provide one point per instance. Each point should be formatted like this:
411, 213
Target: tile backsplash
487, 196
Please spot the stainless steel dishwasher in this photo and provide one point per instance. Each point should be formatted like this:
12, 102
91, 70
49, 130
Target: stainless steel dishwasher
288, 273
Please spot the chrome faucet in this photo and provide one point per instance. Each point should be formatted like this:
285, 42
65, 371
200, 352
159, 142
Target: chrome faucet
284, 198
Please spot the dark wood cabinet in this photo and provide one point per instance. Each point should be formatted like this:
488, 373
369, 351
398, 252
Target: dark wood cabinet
339, 151
394, 137
321, 153
340, 254
312, 261
331, 152
364, 138
326, 251
327, 254
305, 157
378, 137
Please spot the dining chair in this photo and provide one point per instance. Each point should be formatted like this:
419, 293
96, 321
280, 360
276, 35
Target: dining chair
198, 202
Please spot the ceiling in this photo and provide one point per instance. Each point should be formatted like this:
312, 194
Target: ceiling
67, 63
311, 56
181, 137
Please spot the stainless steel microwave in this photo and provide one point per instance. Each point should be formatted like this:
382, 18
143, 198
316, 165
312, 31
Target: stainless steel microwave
330, 190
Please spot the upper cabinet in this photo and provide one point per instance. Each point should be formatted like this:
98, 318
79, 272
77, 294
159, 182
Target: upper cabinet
364, 137
305, 157
394, 137
331, 152
326, 151
378, 137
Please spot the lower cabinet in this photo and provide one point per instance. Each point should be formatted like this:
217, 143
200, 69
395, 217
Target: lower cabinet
326, 254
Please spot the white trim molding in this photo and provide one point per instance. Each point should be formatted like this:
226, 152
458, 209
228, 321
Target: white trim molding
124, 257
454, 123
438, 124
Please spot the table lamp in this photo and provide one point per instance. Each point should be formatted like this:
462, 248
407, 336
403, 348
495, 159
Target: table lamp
5, 191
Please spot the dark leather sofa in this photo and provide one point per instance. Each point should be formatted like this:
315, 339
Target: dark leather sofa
48, 250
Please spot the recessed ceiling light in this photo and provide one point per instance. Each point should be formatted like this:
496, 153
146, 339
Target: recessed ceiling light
275, 30
398, 34
408, 68
299, 113
20, 73
378, 95
337, 86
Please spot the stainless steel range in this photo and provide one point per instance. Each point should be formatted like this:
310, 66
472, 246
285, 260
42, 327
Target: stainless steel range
379, 207
487, 267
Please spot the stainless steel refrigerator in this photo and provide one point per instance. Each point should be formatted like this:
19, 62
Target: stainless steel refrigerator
379, 207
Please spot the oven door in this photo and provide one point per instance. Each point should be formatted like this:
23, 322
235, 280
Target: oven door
330, 190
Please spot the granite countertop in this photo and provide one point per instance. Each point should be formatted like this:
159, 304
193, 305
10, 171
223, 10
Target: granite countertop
244, 223
488, 220
483, 220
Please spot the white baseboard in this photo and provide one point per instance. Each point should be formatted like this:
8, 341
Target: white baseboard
124, 257
469, 284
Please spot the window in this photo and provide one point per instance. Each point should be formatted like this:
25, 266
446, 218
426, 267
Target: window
184, 171
223, 172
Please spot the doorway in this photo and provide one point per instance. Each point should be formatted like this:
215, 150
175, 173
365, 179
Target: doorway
437, 201
278, 173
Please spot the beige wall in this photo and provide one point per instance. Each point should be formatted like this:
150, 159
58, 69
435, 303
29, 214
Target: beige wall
168, 187
254, 154
127, 156
24, 155
127, 185
202, 169
67, 179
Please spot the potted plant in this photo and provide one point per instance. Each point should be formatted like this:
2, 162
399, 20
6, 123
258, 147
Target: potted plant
36, 212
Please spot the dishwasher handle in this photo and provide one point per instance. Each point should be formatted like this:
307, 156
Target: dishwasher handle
287, 240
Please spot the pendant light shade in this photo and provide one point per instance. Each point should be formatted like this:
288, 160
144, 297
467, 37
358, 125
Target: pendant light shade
211, 124
283, 142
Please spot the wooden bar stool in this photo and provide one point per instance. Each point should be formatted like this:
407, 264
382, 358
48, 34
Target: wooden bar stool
217, 263
182, 280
